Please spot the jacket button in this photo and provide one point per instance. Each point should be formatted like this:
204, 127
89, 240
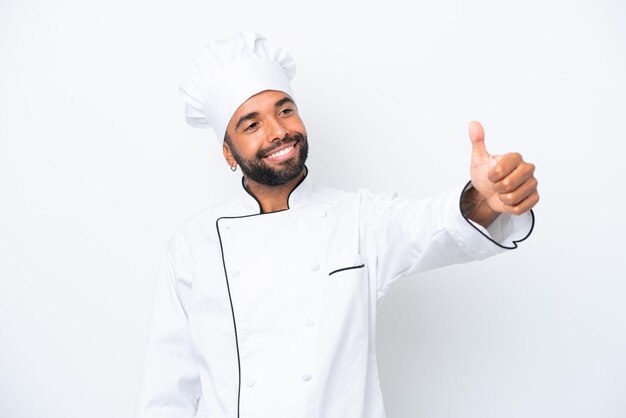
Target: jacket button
309, 322
306, 377
250, 383
235, 273
227, 227
315, 267
323, 213
246, 326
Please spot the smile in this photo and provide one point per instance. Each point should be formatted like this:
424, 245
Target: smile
282, 154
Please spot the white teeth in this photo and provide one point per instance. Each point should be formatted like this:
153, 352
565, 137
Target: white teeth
281, 152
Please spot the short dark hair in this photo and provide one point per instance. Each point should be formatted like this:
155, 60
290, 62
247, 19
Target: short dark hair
228, 140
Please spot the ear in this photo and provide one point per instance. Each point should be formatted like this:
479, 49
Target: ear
228, 155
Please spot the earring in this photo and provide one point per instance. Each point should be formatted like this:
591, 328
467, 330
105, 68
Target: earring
234, 167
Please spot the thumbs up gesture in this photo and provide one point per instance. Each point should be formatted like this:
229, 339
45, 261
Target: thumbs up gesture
505, 183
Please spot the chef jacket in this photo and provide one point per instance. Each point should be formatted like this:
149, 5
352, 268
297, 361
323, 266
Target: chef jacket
273, 315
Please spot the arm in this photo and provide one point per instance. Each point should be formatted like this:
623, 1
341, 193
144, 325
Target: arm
170, 385
494, 214
408, 236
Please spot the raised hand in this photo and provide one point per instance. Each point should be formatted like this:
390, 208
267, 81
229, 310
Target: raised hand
506, 183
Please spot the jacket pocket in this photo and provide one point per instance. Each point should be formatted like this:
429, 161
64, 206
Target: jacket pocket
347, 266
339, 270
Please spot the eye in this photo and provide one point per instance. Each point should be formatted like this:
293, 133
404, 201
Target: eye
252, 126
286, 111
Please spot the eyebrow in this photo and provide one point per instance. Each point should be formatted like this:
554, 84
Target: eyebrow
284, 100
253, 115
246, 117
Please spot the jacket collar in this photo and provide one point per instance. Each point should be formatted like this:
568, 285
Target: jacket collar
300, 192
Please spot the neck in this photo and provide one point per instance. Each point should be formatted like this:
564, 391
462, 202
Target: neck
272, 198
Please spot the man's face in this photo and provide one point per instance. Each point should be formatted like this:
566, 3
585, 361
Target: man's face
267, 138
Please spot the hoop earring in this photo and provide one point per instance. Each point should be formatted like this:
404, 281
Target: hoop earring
233, 168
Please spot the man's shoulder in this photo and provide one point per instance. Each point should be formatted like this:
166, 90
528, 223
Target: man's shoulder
343, 200
204, 221
337, 196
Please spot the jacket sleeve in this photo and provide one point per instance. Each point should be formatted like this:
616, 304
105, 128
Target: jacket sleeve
170, 384
413, 235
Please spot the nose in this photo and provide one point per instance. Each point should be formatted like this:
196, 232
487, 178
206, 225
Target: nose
278, 131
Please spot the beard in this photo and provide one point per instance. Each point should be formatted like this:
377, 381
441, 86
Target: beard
258, 170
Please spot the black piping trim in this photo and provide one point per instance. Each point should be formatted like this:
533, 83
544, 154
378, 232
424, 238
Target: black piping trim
232, 310
532, 226
346, 268
230, 299
306, 173
243, 184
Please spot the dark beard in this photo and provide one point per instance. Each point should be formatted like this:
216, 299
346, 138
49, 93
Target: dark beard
256, 169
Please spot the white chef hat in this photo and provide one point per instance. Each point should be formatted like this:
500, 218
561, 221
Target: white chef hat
227, 73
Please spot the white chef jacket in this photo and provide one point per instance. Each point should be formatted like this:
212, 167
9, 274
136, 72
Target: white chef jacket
273, 315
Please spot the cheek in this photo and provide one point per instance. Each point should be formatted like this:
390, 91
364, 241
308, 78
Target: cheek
297, 125
245, 147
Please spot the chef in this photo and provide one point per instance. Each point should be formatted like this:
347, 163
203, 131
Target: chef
266, 306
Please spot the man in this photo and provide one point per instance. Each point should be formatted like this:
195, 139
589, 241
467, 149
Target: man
267, 304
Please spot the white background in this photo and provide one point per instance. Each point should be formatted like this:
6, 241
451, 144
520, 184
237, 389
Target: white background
97, 167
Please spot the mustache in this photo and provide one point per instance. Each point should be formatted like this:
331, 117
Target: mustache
287, 140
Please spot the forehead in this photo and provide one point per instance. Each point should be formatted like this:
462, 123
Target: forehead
264, 100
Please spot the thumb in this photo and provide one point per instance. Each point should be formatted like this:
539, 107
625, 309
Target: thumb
493, 160
477, 136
